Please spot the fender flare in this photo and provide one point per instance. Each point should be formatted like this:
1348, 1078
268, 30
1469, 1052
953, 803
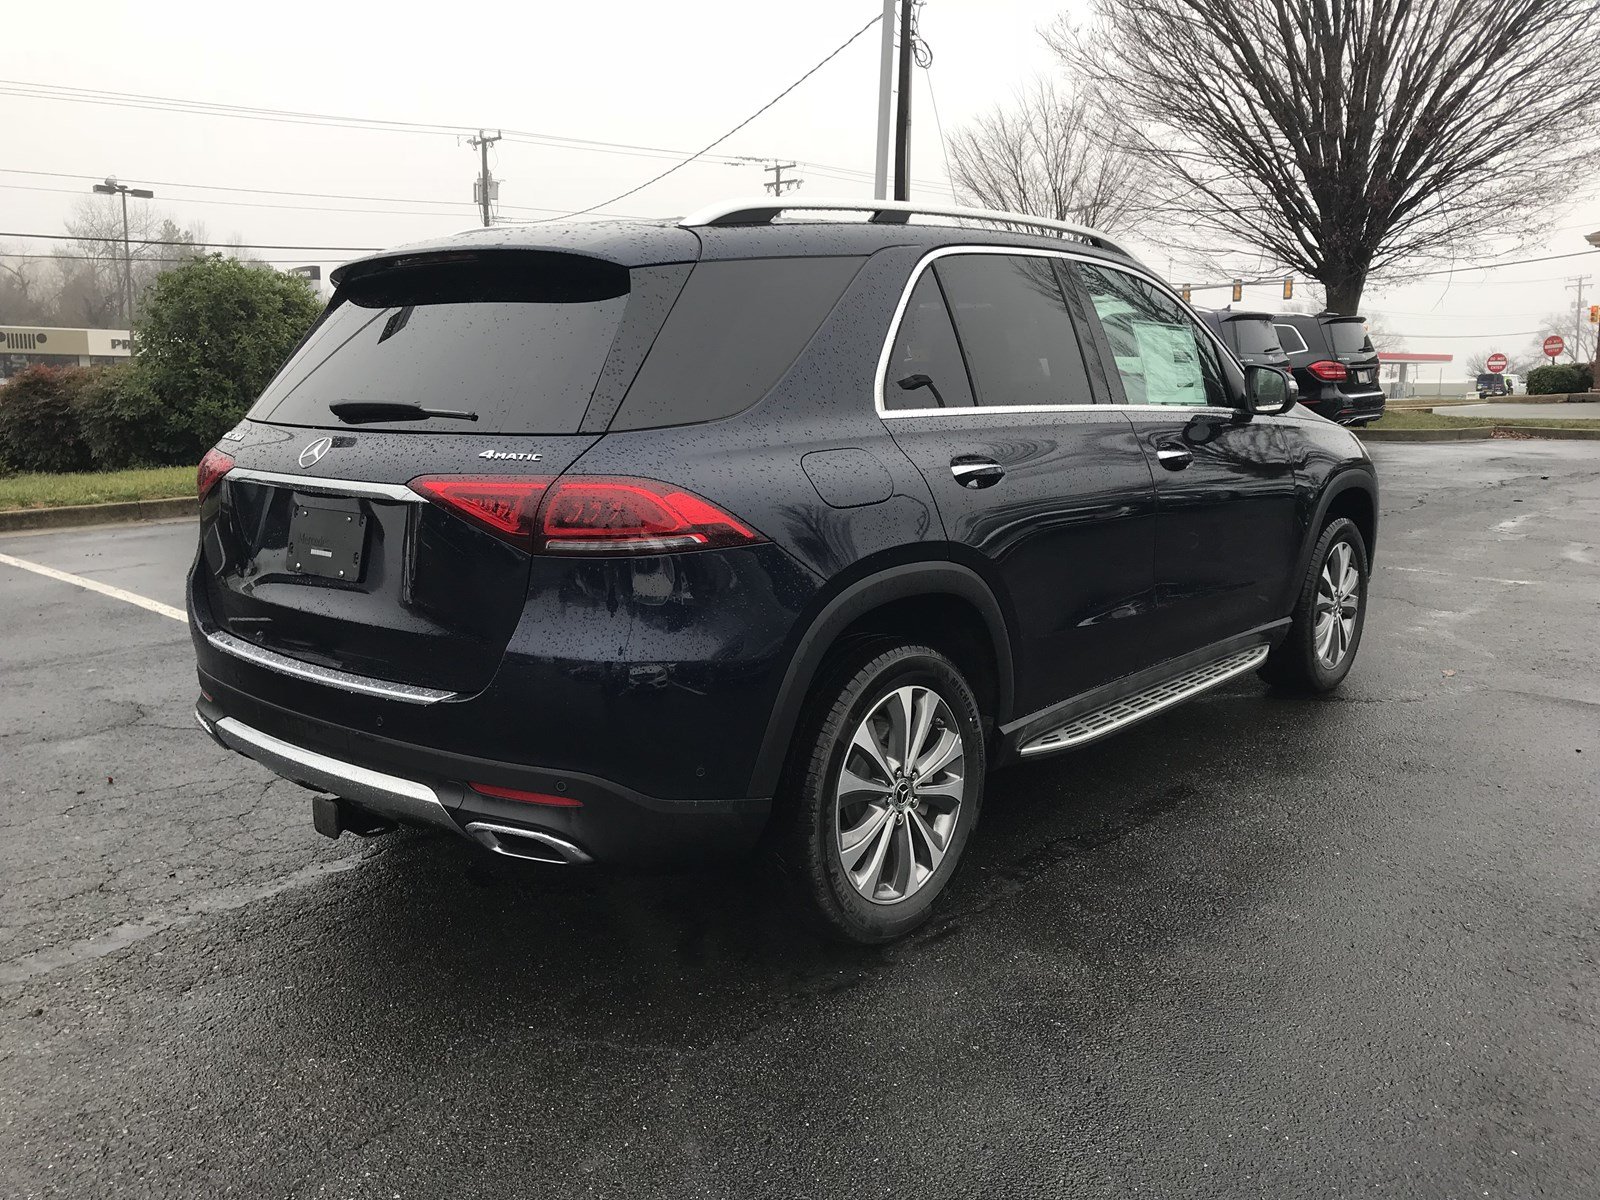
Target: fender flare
1354, 477
853, 602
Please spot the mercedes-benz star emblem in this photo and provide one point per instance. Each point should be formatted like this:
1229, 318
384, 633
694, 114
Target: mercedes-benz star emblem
312, 454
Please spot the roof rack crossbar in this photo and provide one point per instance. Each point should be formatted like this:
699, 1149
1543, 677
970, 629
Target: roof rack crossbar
760, 211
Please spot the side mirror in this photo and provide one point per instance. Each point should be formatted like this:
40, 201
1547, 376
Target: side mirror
1269, 391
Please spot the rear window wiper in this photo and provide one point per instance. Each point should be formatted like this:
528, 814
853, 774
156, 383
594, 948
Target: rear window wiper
359, 412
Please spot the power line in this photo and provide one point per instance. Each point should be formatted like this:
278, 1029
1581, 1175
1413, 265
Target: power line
180, 259
74, 237
1516, 262
718, 141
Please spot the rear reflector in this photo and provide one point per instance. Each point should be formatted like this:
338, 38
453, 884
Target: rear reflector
503, 504
1327, 369
587, 514
212, 467
503, 793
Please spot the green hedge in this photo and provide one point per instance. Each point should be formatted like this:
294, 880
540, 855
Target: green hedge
39, 425
1560, 379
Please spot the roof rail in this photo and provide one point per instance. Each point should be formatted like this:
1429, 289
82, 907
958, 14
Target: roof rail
759, 211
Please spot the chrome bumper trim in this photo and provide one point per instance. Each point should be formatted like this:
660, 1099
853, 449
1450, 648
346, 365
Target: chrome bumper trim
332, 487
385, 795
345, 681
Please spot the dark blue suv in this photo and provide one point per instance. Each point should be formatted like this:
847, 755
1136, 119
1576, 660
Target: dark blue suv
774, 527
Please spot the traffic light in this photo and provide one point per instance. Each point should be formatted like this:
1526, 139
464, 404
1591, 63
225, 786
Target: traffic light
1238, 290
1594, 314
1186, 294
1288, 288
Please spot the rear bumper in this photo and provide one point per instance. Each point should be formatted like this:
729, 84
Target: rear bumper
379, 781
1347, 408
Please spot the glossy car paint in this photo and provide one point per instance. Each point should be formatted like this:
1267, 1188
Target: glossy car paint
662, 689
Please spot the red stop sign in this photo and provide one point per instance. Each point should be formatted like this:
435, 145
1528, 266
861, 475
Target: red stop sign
1553, 345
1496, 363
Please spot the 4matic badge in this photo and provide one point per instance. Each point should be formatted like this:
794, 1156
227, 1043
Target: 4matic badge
511, 455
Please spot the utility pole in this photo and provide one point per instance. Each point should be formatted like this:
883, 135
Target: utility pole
112, 188
481, 143
902, 126
779, 184
1577, 282
880, 178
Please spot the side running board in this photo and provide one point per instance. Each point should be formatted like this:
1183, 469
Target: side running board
1096, 724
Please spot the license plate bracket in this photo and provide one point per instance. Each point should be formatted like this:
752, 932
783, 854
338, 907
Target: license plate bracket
327, 538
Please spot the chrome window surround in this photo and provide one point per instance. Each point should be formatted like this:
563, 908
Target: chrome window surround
345, 681
331, 487
880, 376
1301, 349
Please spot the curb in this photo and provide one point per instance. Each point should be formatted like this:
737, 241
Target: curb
121, 513
1481, 433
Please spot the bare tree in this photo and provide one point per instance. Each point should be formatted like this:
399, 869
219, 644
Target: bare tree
1347, 138
1046, 155
92, 283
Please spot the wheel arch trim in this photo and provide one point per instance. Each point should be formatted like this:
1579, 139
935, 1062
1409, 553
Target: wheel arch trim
859, 598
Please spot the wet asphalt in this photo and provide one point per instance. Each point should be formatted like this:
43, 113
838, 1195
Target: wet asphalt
1255, 947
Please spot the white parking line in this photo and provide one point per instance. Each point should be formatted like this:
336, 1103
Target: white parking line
94, 585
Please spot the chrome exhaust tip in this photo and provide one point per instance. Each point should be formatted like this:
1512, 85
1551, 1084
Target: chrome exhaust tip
530, 845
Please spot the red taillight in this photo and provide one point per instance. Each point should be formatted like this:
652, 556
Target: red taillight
503, 504
1330, 371
588, 514
212, 467
601, 515
504, 793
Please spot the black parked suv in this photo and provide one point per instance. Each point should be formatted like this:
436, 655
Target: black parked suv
633, 543
1251, 336
1334, 364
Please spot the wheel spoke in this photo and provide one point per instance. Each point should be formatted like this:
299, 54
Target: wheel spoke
947, 789
934, 843
871, 847
944, 752
853, 787
897, 869
924, 703
866, 740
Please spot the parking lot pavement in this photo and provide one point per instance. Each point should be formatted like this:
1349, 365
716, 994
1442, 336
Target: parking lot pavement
1576, 413
1254, 947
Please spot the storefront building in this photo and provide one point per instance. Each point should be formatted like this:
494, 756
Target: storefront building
24, 346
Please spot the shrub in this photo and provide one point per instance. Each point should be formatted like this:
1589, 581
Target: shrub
1559, 379
125, 424
212, 333
39, 428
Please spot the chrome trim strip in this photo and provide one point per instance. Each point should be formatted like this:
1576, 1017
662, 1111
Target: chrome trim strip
334, 487
1133, 267
345, 681
488, 834
764, 209
386, 795
1090, 726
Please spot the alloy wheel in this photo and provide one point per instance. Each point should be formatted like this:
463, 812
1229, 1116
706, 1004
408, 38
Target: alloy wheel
898, 796
1338, 604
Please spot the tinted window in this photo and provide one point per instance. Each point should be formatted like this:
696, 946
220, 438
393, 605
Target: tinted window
1255, 338
1349, 337
926, 347
1162, 356
518, 338
736, 328
1013, 323
1289, 338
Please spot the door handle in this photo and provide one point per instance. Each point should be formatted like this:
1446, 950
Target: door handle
1174, 458
974, 472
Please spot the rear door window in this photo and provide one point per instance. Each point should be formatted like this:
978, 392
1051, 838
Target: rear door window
1012, 320
925, 366
1255, 338
518, 338
736, 328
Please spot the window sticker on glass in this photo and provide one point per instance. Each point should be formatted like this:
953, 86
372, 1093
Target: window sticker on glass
1171, 366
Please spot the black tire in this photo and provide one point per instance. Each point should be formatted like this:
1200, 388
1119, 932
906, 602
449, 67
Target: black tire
807, 834
1295, 664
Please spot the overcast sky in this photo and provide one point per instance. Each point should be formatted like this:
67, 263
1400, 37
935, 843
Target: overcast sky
665, 76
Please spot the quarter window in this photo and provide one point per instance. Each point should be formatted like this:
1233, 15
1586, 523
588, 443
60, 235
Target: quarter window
1162, 357
1289, 338
1013, 324
925, 367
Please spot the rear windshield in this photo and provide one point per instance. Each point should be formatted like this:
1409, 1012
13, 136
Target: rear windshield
519, 338
1255, 337
1348, 337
